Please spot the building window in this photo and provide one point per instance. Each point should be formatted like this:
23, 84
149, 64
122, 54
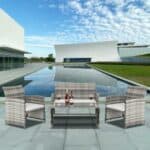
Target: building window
77, 59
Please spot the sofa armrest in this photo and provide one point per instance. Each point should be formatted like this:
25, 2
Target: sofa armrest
97, 97
35, 99
134, 100
52, 97
115, 99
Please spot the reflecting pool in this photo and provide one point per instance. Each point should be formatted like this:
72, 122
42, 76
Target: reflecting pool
42, 82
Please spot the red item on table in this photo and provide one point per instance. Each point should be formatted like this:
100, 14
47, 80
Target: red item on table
71, 95
67, 99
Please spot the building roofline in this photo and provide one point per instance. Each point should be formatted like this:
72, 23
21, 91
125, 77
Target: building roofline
126, 43
99, 42
14, 49
11, 18
134, 46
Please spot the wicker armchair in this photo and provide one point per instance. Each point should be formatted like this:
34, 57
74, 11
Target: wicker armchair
130, 107
20, 107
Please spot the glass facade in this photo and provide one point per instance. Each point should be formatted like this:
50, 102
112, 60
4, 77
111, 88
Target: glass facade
11, 59
77, 59
136, 60
10, 62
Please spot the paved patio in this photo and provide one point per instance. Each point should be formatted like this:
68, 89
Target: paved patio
42, 136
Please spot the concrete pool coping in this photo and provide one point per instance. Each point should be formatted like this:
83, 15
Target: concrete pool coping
13, 74
120, 78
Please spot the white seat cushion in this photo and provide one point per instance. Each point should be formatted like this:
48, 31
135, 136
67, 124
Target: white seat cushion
32, 107
76, 102
118, 107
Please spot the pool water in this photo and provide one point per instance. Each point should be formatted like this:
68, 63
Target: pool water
42, 82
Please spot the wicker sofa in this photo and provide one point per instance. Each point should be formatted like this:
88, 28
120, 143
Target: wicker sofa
79, 90
84, 95
130, 107
19, 107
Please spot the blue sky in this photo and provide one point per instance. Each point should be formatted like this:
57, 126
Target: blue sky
49, 22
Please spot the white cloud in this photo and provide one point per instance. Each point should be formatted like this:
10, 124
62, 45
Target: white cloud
97, 20
45, 41
76, 5
40, 45
52, 6
128, 21
39, 42
115, 2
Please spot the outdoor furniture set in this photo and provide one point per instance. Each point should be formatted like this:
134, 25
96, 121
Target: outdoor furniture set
71, 96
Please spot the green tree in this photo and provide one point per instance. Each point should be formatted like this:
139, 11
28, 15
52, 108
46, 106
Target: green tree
50, 58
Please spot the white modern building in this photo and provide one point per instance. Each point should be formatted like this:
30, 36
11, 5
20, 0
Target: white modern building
11, 42
104, 51
108, 51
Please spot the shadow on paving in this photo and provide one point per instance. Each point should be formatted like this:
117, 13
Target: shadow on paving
31, 123
120, 123
73, 126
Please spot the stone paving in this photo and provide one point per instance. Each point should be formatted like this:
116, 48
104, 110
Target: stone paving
42, 136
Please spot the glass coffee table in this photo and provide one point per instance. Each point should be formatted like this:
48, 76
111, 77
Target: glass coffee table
77, 111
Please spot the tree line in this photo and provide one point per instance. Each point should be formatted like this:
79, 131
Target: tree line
49, 58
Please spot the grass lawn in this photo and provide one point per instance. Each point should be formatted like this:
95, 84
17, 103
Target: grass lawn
137, 73
144, 56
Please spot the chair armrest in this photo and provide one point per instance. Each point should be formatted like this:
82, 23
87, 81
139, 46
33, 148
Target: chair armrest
134, 97
115, 99
96, 97
15, 111
52, 97
35, 99
134, 100
14, 100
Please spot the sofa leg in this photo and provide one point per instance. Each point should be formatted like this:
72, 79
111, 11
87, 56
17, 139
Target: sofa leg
105, 115
52, 115
125, 126
44, 115
97, 111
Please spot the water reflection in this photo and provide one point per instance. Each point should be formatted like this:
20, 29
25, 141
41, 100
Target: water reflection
42, 82
106, 85
20, 81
